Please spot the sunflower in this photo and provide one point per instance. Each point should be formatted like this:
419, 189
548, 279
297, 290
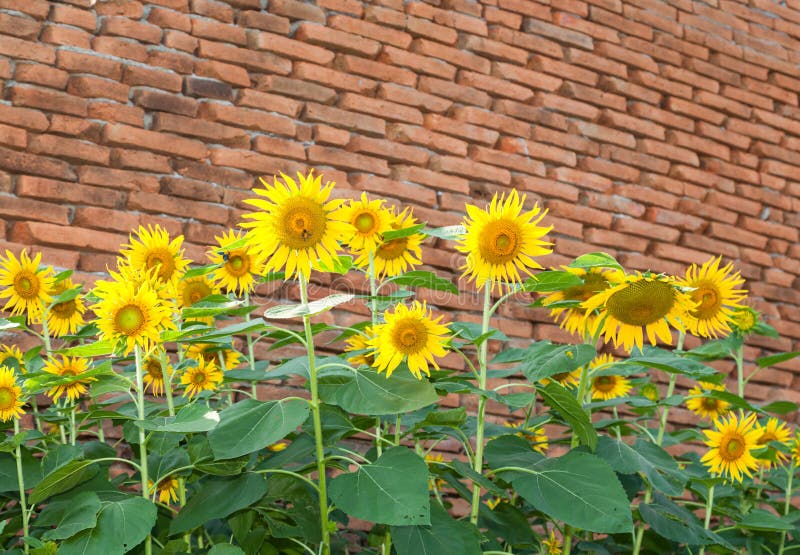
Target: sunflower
650, 392
216, 353
25, 284
552, 545
641, 303
360, 342
367, 220
535, 435
775, 430
395, 256
278, 447
152, 250
796, 449
296, 226
154, 374
501, 240
704, 406
715, 290
435, 459
595, 280
167, 490
732, 443
203, 377
10, 393
65, 318
744, 320
410, 334
567, 379
607, 387
68, 366
193, 290
239, 267
134, 315
12, 358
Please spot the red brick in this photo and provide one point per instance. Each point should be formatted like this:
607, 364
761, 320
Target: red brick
140, 160
165, 102
264, 21
618, 172
156, 78
295, 87
691, 78
169, 19
455, 56
192, 189
127, 8
385, 16
637, 159
509, 19
388, 110
205, 212
498, 87
698, 144
247, 118
447, 89
104, 218
333, 78
70, 149
412, 97
279, 147
470, 169
294, 9
593, 96
655, 82
492, 120
13, 136
207, 88
370, 30
96, 87
576, 212
620, 23
20, 208
533, 79
214, 30
23, 117
581, 25
350, 120
433, 179
506, 160
669, 151
420, 27
736, 235
124, 27
411, 134
48, 100
117, 179
571, 140
723, 135
290, 48
123, 135
39, 74
66, 236
218, 10
449, 18
613, 239
772, 91
347, 6
525, 7
533, 43
664, 117
389, 150
674, 219
637, 226
568, 106
50, 189
459, 129
73, 16
115, 112
348, 160
390, 188
375, 70
324, 134
253, 162
26, 50
558, 34
339, 40
178, 40
268, 102
422, 64
707, 211
23, 27
259, 61
547, 187
210, 131
67, 36
764, 227
581, 179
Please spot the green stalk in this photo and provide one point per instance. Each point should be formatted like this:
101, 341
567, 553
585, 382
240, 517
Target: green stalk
709, 510
73, 431
148, 545
738, 355
482, 366
22, 500
373, 308
787, 503
583, 385
315, 411
251, 357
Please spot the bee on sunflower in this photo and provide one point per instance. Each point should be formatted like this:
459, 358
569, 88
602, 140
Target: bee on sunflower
66, 317
296, 226
10, 395
703, 405
25, 284
501, 241
73, 367
153, 251
205, 376
575, 319
731, 445
395, 256
717, 296
238, 267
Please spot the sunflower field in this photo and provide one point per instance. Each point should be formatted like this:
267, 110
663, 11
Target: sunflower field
135, 426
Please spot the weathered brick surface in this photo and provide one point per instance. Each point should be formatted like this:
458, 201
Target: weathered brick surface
661, 132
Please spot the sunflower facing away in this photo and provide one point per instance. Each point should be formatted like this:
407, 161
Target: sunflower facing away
642, 303
10, 393
239, 267
395, 256
367, 220
132, 314
409, 334
535, 435
152, 250
65, 318
732, 443
716, 292
774, 430
203, 377
501, 241
68, 366
217, 353
12, 358
296, 226
360, 342
166, 490
704, 406
25, 284
154, 374
595, 280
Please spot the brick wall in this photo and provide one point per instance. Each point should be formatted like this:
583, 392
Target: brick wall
661, 131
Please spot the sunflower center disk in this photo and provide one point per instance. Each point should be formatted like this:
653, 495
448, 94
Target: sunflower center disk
592, 283
302, 224
162, 261
199, 378
7, 398
64, 310
499, 242
392, 249
604, 383
732, 449
364, 222
237, 265
410, 337
642, 303
154, 369
129, 319
26, 285
710, 404
709, 301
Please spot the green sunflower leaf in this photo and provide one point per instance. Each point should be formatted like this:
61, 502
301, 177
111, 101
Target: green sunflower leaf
429, 280
596, 260
551, 280
763, 362
121, 526
564, 403
448, 233
400, 233
313, 307
367, 392
444, 536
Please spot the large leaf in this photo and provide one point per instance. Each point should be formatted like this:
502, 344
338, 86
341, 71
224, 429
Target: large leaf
545, 359
368, 392
676, 523
225, 549
595, 260
393, 234
190, 419
62, 479
429, 280
653, 357
69, 516
121, 526
393, 490
444, 536
552, 280
557, 397
98, 348
760, 519
660, 468
314, 307
218, 498
251, 425
580, 489
510, 450
763, 362
31, 471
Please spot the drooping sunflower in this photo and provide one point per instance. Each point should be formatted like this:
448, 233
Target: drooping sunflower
744, 320
65, 318
10, 395
25, 284
153, 250
360, 342
395, 256
215, 352
433, 460
367, 220
12, 358
154, 374
203, 377
704, 406
166, 490
552, 545
68, 366
535, 435
642, 303
732, 442
296, 226
595, 280
717, 294
410, 334
774, 430
501, 241
238, 267
132, 314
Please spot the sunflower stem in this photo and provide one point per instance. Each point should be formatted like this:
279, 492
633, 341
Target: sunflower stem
709, 511
73, 431
673, 378
21, 480
583, 385
162, 358
148, 545
482, 366
738, 355
315, 411
251, 356
787, 503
